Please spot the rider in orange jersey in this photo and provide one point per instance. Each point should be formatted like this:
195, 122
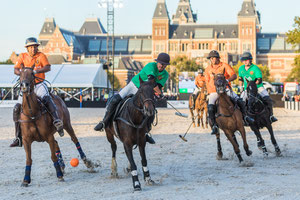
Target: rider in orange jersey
199, 82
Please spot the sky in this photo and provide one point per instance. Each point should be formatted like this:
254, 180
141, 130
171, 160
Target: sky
21, 19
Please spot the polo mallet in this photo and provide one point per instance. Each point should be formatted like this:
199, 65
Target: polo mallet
183, 137
178, 113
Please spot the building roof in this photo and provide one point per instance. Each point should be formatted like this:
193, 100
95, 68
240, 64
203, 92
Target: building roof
184, 9
274, 43
129, 64
200, 31
248, 9
48, 27
161, 10
92, 26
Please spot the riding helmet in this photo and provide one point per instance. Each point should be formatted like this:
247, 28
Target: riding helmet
31, 41
213, 53
163, 58
246, 56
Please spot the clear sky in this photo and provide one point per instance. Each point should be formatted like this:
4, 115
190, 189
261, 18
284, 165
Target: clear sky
24, 18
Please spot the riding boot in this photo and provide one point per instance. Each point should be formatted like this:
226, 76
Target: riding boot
246, 118
149, 138
16, 114
193, 101
212, 118
111, 107
57, 122
268, 101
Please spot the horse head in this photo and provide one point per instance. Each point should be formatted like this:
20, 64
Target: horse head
220, 83
254, 103
26, 80
146, 96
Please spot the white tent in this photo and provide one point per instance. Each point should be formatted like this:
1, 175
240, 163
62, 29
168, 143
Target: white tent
82, 76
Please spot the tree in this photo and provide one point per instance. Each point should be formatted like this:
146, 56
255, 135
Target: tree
293, 37
181, 64
7, 62
264, 70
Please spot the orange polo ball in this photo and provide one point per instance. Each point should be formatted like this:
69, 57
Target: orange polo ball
74, 162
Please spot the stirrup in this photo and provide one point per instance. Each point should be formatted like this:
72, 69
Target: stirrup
59, 127
214, 130
16, 143
100, 126
149, 138
273, 119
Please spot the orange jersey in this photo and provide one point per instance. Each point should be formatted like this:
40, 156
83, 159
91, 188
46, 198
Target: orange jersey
38, 61
199, 81
219, 69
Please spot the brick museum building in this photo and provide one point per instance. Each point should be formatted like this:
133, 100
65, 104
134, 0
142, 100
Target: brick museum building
179, 35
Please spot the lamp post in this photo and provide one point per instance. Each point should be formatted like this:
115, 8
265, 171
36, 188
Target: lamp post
110, 5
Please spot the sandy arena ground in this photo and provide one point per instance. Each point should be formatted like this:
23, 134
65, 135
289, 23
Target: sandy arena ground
182, 170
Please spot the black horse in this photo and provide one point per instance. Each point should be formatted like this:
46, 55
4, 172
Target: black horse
130, 125
259, 111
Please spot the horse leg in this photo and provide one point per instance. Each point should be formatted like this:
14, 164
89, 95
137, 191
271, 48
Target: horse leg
135, 179
146, 172
52, 144
198, 117
59, 157
243, 134
235, 146
220, 153
206, 118
193, 118
27, 179
88, 163
277, 149
113, 145
260, 141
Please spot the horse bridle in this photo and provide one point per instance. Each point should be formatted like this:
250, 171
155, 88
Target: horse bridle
254, 102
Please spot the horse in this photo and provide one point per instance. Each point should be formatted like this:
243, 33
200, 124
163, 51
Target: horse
130, 126
229, 119
200, 107
258, 111
37, 125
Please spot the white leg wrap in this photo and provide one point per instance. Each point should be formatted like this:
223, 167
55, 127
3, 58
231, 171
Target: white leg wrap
145, 169
136, 183
134, 173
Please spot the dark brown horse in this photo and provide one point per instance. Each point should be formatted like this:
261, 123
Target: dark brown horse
37, 125
261, 114
200, 107
131, 126
229, 119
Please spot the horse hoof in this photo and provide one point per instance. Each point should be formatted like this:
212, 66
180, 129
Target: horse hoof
114, 175
150, 182
278, 153
88, 163
219, 156
249, 153
137, 188
61, 179
24, 184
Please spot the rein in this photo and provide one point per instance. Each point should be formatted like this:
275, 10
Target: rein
259, 101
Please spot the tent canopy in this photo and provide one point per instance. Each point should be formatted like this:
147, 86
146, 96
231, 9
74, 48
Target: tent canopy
63, 76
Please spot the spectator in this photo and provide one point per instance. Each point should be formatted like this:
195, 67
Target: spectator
286, 97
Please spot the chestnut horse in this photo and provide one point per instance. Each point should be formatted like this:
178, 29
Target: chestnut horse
200, 107
229, 119
261, 114
130, 125
37, 125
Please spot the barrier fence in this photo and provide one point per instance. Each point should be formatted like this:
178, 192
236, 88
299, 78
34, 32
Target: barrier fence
292, 105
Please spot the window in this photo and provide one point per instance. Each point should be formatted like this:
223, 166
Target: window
147, 45
134, 45
94, 45
277, 43
121, 45
104, 45
263, 43
203, 33
182, 47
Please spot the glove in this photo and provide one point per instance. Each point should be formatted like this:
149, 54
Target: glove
34, 72
241, 89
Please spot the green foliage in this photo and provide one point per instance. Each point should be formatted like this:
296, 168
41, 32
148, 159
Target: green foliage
181, 64
294, 39
117, 84
264, 70
7, 62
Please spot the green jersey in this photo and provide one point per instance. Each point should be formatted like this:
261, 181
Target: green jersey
251, 74
151, 69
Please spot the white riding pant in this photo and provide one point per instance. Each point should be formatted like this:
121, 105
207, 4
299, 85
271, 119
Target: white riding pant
128, 89
261, 91
196, 91
214, 96
40, 90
